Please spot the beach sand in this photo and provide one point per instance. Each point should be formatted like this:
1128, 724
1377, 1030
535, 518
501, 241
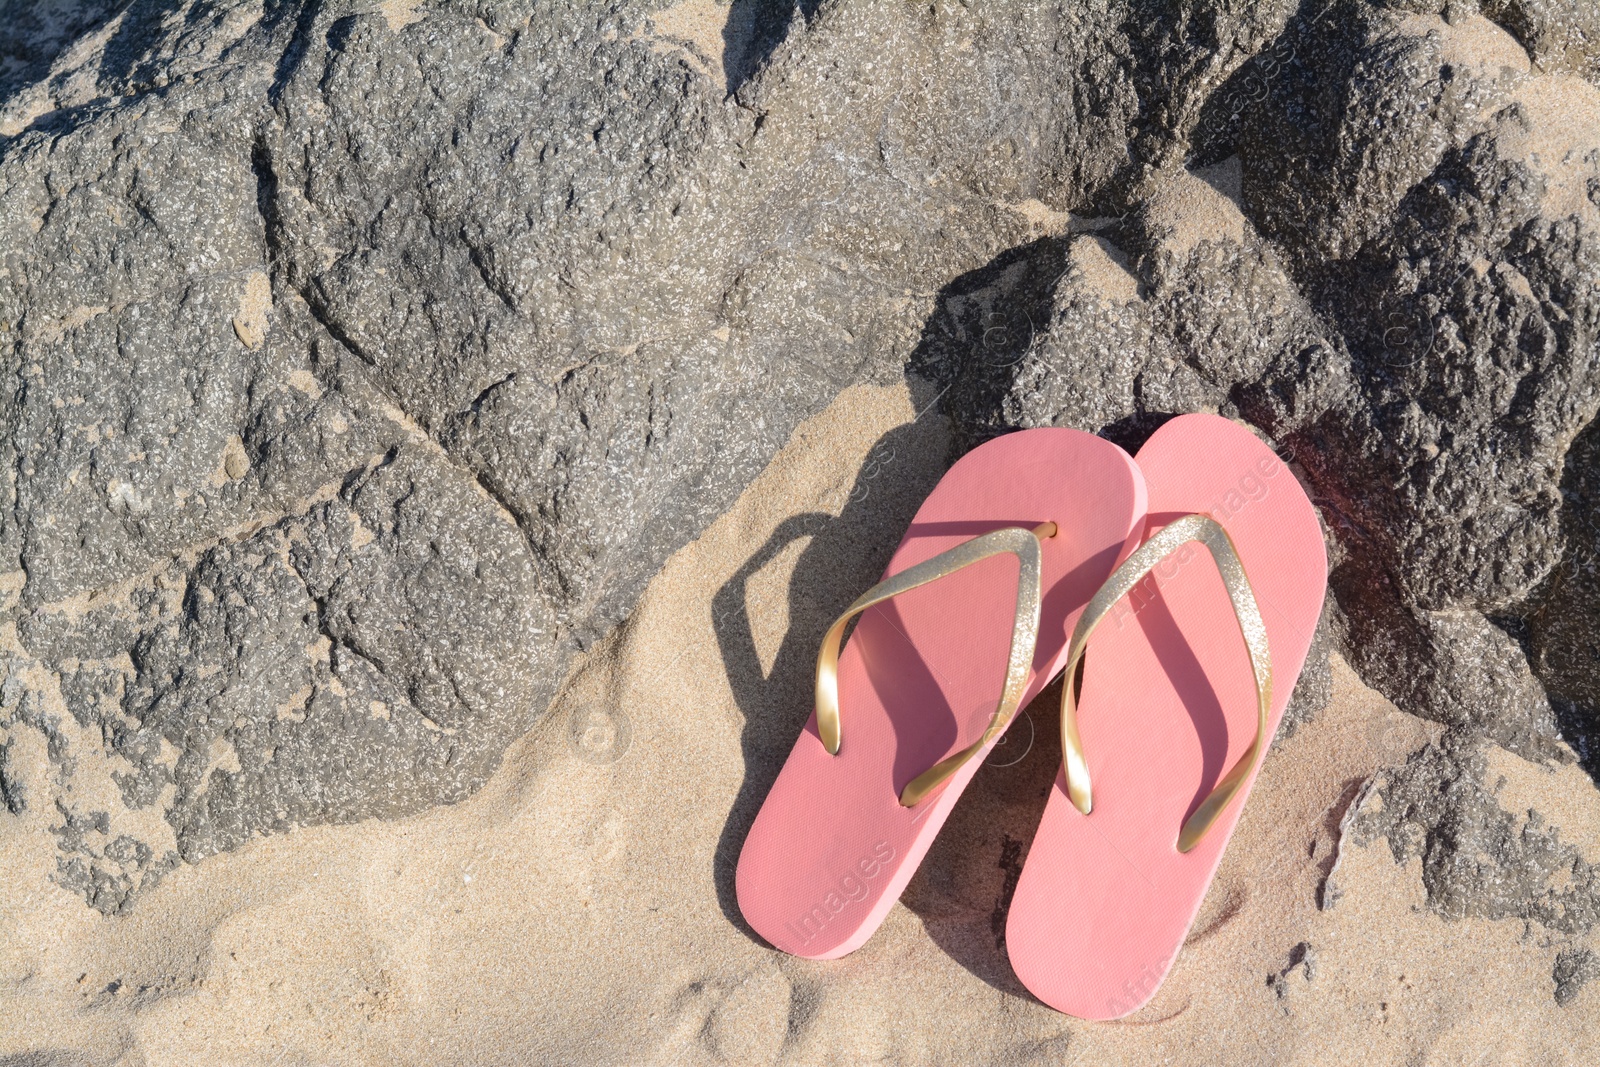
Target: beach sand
580, 907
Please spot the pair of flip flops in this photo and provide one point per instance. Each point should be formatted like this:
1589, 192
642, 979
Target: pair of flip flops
1199, 570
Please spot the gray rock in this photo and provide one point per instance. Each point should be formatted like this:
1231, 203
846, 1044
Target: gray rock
363, 360
1382, 255
1563, 628
1301, 958
1560, 35
1575, 968
1477, 858
35, 32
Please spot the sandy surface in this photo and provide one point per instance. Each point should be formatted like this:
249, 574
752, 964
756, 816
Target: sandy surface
580, 907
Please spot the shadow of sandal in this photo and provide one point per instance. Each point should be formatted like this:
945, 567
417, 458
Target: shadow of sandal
962, 891
844, 555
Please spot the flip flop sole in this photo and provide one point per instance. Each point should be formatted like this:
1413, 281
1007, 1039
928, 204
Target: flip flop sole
1168, 704
832, 847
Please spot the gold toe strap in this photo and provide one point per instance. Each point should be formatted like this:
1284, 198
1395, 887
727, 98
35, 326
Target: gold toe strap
1210, 533
1024, 544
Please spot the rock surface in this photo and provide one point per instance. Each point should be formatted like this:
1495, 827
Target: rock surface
360, 362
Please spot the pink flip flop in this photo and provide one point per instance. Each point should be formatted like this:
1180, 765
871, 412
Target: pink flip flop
1176, 713
904, 718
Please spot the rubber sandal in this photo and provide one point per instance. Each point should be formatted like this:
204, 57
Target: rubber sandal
1175, 714
906, 714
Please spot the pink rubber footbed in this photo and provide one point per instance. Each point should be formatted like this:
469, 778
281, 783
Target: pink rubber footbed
919, 679
1168, 705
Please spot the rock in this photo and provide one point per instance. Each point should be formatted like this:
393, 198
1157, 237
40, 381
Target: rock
1575, 967
361, 362
33, 34
1301, 958
478, 311
1560, 35
1478, 859
1381, 255
1564, 632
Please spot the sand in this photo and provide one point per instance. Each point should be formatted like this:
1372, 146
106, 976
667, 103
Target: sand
580, 907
